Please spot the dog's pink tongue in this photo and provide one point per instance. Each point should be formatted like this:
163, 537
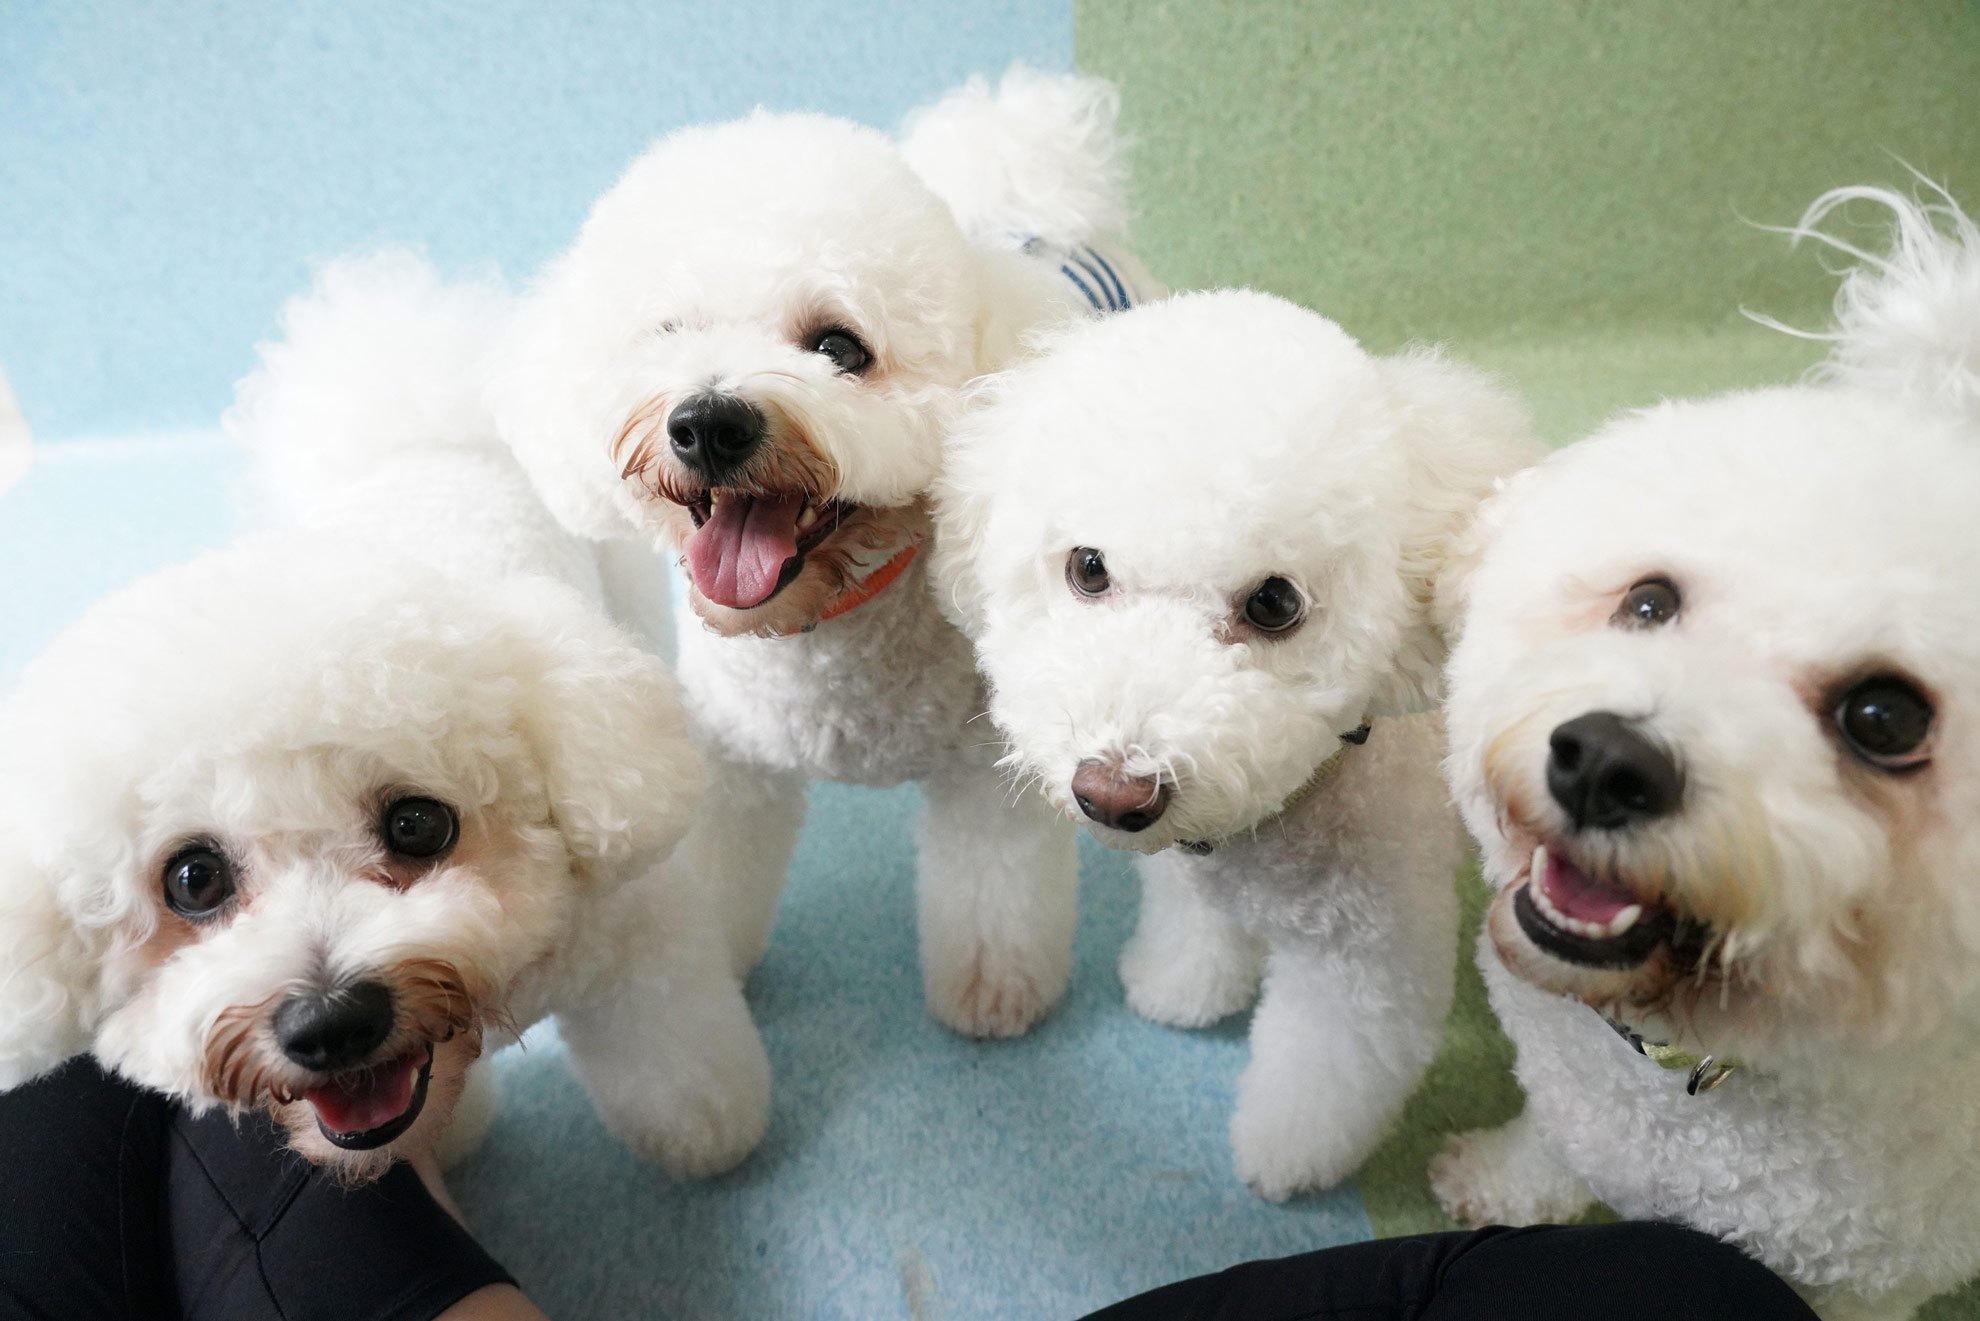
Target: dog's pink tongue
363, 1099
737, 555
1574, 894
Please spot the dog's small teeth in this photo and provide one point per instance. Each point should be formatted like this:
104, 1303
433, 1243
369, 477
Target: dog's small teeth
1623, 921
1615, 926
807, 518
1551, 913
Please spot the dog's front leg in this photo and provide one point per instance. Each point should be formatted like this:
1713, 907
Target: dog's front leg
474, 1114
740, 845
1343, 1032
1505, 1176
657, 1028
1189, 963
997, 898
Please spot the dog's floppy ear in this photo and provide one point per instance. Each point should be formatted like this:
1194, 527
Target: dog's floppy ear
961, 516
62, 837
1020, 312
963, 503
605, 720
48, 974
1465, 434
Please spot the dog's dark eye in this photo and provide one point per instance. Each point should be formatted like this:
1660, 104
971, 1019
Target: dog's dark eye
1651, 602
1086, 571
198, 880
1274, 606
1885, 720
418, 827
843, 348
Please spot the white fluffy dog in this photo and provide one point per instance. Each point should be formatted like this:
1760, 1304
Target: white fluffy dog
1198, 547
750, 357
1713, 719
311, 822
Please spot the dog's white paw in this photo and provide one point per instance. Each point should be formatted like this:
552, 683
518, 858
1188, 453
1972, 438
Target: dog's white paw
700, 1139
693, 1124
474, 1115
1281, 1147
688, 1088
1191, 984
1310, 1107
994, 992
1498, 1176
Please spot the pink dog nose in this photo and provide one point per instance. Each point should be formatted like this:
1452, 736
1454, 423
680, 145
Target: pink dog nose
1113, 798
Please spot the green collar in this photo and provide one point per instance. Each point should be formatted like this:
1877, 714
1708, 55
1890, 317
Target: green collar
1707, 1071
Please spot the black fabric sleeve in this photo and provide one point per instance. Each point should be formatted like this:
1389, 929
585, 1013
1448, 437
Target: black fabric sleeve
82, 1234
1614, 1272
116, 1205
258, 1232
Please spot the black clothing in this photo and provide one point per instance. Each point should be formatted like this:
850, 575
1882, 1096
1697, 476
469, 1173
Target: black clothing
1616, 1272
118, 1205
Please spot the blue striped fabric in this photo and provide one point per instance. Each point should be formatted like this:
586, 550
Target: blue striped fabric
1096, 278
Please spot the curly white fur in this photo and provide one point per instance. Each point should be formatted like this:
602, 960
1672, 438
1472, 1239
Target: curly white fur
426, 630
1814, 537
1037, 156
1907, 321
713, 267
1205, 446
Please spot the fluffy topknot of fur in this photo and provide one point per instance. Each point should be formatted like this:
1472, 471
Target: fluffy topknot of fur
418, 347
1907, 321
1037, 156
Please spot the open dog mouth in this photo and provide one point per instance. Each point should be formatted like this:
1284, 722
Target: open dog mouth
363, 1109
1590, 921
748, 547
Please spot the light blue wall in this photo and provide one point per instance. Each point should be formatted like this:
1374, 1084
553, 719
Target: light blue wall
169, 172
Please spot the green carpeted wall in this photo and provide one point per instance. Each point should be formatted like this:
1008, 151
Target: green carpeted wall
1567, 191
1561, 188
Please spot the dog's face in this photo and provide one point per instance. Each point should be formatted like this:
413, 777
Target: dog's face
1712, 718
285, 831
1196, 544
750, 355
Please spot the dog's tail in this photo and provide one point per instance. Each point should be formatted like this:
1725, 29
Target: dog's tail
1036, 158
379, 358
1907, 320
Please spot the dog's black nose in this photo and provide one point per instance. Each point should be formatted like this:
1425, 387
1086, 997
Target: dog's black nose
1606, 774
714, 434
331, 1030
1113, 798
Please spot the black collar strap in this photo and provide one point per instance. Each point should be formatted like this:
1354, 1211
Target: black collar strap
1354, 737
